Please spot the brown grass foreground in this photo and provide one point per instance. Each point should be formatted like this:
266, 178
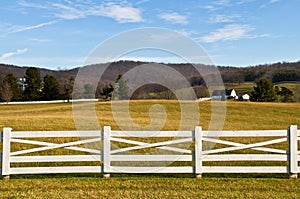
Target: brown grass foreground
239, 116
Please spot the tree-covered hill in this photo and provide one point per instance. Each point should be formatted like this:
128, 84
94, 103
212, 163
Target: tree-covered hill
276, 72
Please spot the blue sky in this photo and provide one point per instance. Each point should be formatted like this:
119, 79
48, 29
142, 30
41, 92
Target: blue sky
61, 33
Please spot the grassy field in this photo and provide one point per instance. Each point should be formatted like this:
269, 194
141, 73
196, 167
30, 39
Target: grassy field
150, 187
239, 115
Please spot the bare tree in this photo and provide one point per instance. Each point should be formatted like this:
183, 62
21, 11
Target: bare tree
68, 88
6, 92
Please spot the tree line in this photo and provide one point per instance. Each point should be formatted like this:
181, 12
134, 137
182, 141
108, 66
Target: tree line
33, 87
277, 72
265, 91
56, 85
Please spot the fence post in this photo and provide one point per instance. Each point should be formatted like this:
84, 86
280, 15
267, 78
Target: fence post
106, 151
293, 150
6, 153
198, 151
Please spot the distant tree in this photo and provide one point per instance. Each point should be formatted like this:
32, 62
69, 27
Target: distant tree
68, 89
252, 74
6, 92
277, 90
297, 94
286, 94
89, 91
121, 89
33, 84
286, 75
232, 77
50, 89
201, 91
264, 91
16, 90
107, 91
168, 94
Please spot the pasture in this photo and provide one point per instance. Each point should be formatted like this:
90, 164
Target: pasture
239, 116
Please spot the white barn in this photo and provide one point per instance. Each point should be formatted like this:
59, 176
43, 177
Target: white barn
245, 97
224, 94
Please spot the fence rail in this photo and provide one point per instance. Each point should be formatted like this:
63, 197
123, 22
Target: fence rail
110, 151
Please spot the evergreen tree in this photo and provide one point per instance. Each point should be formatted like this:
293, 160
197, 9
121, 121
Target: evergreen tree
51, 88
286, 94
33, 84
107, 91
264, 91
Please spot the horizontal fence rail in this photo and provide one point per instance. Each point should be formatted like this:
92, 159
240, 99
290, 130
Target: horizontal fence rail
108, 151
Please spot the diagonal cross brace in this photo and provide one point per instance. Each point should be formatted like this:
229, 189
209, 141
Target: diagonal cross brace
239, 146
48, 146
142, 145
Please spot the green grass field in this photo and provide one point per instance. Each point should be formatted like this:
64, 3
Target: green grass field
239, 115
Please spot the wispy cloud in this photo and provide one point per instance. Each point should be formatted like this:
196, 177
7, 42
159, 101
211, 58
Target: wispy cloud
122, 12
224, 18
273, 1
269, 3
67, 12
174, 17
212, 6
142, 1
10, 54
36, 40
216, 5
228, 33
32, 5
25, 28
223, 2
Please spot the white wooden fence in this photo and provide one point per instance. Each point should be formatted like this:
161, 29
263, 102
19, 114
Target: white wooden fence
107, 154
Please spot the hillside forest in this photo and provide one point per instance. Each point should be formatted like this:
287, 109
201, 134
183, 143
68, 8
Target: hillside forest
279, 80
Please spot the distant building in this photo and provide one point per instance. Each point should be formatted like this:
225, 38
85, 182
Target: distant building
21, 83
224, 94
245, 97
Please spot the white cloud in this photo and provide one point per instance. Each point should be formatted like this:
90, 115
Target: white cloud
36, 40
121, 12
142, 1
187, 33
223, 2
118, 12
68, 12
32, 5
10, 54
224, 18
174, 18
212, 6
21, 29
209, 7
269, 3
228, 33
216, 5
274, 1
